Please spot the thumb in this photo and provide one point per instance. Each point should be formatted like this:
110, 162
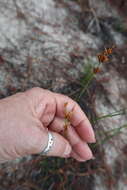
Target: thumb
60, 147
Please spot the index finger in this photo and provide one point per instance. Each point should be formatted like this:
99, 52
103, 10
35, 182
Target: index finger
78, 118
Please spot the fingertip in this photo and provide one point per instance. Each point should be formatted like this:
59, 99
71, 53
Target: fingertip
67, 150
86, 132
84, 151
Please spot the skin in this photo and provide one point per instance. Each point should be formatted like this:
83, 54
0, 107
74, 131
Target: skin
26, 117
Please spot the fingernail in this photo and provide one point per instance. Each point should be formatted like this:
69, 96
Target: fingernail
67, 150
67, 156
93, 140
93, 158
80, 160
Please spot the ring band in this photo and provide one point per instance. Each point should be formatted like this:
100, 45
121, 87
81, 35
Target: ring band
49, 144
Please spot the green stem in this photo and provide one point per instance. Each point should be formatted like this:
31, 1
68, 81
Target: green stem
88, 82
86, 86
111, 133
120, 112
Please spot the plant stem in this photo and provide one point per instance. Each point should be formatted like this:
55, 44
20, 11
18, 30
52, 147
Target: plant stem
111, 133
85, 87
120, 112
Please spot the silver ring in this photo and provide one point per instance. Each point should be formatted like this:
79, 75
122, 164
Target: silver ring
49, 144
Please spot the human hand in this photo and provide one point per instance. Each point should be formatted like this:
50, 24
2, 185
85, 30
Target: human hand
25, 118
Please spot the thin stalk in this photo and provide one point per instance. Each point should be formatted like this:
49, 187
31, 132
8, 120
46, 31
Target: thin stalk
85, 87
111, 133
88, 82
120, 112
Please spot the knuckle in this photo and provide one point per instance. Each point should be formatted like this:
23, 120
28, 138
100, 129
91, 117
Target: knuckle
34, 89
68, 99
